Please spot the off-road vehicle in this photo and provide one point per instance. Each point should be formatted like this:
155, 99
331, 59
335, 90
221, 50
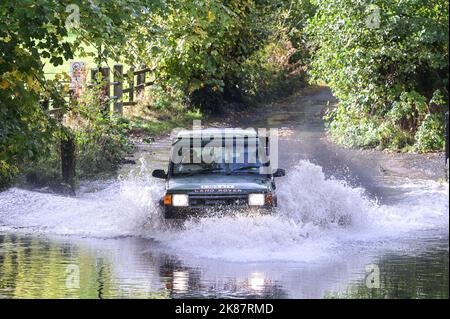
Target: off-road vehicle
211, 170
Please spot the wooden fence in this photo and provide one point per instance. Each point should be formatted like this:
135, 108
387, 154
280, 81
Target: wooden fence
125, 87
135, 82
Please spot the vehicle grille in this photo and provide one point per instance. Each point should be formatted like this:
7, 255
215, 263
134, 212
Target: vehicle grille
218, 200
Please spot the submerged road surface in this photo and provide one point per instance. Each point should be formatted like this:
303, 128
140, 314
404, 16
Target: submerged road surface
111, 242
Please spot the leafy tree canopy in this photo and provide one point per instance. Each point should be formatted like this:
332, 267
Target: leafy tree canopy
387, 62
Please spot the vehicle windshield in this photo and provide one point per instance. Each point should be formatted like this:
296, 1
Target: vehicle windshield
241, 159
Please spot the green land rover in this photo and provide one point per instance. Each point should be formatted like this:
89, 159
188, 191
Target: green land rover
213, 170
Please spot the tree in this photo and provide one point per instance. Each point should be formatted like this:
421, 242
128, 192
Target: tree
34, 31
28, 30
200, 48
391, 76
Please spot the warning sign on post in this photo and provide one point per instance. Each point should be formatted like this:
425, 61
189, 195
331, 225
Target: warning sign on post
78, 76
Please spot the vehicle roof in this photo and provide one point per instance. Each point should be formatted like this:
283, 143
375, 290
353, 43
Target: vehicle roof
224, 132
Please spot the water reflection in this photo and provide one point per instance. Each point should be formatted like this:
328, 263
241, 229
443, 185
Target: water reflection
404, 276
37, 267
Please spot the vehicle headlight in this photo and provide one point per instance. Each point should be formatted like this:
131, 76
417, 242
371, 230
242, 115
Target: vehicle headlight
180, 200
256, 199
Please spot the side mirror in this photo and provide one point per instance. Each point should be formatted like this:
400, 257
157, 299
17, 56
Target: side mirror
159, 173
279, 173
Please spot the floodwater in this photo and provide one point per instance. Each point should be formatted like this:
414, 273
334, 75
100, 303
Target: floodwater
111, 242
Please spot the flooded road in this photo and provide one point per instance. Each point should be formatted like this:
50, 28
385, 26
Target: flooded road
111, 242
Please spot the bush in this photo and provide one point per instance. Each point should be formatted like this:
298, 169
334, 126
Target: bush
349, 130
430, 135
222, 53
100, 139
389, 77
7, 173
270, 73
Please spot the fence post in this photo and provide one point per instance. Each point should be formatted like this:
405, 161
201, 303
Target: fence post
118, 79
131, 85
106, 92
45, 104
141, 81
73, 96
94, 78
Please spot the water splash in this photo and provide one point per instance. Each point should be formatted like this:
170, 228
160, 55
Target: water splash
307, 196
126, 207
316, 217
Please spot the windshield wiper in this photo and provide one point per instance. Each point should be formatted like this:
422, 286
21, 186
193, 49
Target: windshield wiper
211, 170
243, 168
203, 171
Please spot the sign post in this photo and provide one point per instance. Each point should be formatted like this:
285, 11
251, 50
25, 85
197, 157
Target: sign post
78, 77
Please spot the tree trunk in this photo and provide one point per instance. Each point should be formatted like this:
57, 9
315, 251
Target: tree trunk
68, 161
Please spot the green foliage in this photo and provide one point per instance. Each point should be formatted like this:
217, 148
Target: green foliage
210, 51
392, 78
7, 173
103, 25
205, 53
28, 30
156, 113
100, 140
34, 31
269, 75
428, 135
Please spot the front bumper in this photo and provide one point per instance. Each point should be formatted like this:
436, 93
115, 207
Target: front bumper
215, 205
214, 211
